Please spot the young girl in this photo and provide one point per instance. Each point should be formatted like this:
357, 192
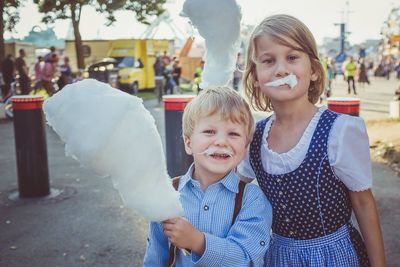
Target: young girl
313, 164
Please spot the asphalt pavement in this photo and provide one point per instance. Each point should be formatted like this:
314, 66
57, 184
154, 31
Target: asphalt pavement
84, 223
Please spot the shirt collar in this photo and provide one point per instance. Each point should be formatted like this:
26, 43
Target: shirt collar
230, 181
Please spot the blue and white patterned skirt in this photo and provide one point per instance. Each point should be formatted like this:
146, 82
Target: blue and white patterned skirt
333, 250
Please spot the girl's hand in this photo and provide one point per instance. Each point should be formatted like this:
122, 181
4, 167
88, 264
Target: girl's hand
182, 234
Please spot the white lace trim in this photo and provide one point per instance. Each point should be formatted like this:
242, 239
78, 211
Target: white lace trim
290, 159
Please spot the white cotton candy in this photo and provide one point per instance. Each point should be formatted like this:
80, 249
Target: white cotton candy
217, 150
112, 133
289, 80
218, 22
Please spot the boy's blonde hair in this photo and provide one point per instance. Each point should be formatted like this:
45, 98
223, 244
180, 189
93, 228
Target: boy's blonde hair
224, 100
291, 32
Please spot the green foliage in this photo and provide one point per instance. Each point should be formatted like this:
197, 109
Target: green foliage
144, 8
11, 14
71, 9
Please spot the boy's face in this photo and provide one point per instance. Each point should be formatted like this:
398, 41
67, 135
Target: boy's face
217, 146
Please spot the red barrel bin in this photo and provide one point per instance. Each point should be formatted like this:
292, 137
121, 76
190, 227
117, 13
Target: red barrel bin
346, 105
177, 160
30, 145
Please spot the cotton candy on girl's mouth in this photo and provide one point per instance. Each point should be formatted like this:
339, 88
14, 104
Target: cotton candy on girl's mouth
215, 150
289, 80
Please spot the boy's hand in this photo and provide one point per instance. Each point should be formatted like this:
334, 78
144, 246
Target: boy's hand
182, 234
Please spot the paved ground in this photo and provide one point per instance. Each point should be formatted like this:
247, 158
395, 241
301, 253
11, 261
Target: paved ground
86, 225
374, 98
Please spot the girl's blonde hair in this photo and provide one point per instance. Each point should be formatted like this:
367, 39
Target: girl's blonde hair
230, 105
291, 32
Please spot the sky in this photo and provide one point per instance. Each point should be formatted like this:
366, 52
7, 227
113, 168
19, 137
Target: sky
364, 20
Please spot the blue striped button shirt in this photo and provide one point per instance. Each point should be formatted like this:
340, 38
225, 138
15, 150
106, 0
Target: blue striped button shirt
242, 244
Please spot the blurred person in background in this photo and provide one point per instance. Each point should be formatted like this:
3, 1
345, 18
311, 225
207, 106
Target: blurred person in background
48, 56
350, 72
198, 73
238, 72
166, 59
169, 80
159, 69
387, 68
49, 73
176, 72
8, 74
39, 65
363, 73
330, 75
397, 69
23, 72
65, 74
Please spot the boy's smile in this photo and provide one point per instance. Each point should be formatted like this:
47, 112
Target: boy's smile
217, 146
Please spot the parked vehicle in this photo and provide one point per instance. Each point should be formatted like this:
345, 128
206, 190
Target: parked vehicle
134, 61
105, 71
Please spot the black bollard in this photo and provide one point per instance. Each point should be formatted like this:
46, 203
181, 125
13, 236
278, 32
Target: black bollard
30, 145
177, 160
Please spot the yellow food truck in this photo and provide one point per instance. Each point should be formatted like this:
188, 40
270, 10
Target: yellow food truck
134, 61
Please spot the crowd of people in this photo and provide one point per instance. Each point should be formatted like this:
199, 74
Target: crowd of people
47, 73
357, 72
167, 72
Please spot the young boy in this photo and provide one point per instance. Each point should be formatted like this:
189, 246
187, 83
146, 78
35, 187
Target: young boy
217, 128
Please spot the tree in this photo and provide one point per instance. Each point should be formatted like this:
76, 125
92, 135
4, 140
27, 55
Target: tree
72, 9
10, 17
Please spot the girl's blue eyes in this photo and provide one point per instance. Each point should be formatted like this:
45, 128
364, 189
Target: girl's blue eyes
270, 60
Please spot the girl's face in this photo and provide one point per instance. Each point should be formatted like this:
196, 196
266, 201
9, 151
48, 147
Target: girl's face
275, 61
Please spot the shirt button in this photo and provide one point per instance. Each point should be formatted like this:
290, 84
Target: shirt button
262, 243
205, 207
287, 220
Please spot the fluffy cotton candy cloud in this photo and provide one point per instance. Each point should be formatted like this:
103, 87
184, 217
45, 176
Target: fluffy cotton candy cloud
112, 133
218, 22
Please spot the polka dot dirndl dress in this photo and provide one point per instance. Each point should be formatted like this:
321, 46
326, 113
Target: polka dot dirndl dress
311, 208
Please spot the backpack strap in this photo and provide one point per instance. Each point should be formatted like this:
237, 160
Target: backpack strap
238, 206
172, 248
238, 201
171, 256
175, 182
